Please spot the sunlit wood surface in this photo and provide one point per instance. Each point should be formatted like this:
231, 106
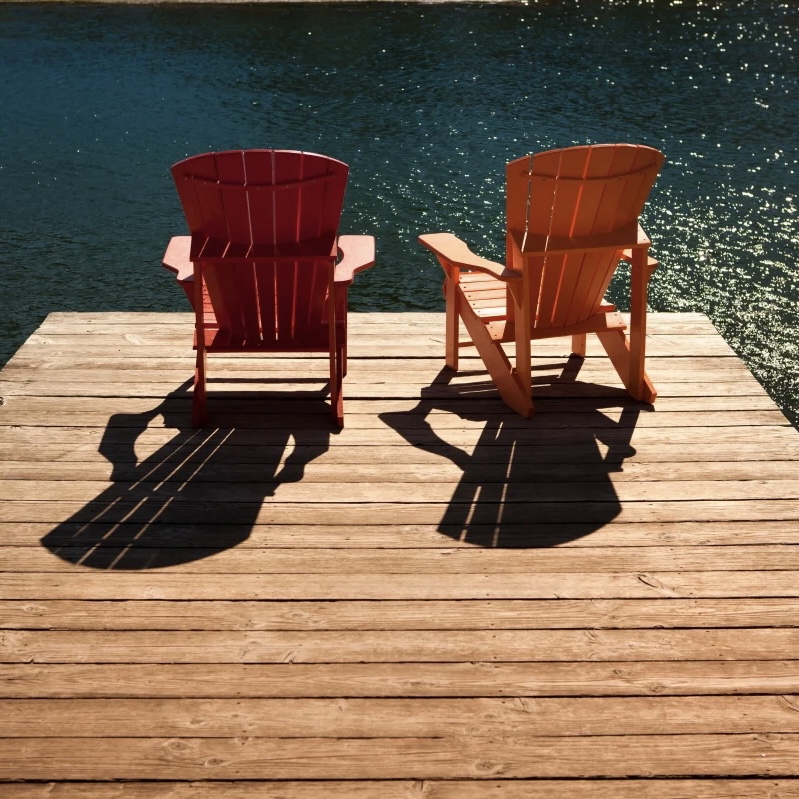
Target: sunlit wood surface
441, 601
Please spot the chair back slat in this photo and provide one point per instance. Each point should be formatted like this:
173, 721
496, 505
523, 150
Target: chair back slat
577, 192
195, 180
230, 171
288, 172
260, 171
272, 216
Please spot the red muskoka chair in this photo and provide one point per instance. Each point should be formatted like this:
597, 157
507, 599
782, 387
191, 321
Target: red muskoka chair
264, 268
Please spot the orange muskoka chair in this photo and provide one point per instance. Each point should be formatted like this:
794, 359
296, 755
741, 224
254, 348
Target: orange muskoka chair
264, 268
571, 216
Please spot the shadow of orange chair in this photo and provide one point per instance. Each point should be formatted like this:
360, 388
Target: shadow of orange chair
264, 268
571, 217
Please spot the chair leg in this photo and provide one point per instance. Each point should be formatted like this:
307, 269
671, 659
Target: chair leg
199, 411
342, 315
451, 295
579, 344
338, 357
344, 350
503, 375
617, 346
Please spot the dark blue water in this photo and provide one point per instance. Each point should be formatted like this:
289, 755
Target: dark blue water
426, 104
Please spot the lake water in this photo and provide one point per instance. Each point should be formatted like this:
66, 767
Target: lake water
426, 104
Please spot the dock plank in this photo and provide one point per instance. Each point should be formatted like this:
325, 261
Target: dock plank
397, 646
465, 614
418, 789
397, 718
468, 757
364, 561
59, 681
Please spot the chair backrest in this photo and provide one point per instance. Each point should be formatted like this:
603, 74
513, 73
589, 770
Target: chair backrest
264, 226
576, 193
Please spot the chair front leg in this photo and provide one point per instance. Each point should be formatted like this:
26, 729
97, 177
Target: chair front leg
519, 311
453, 299
337, 368
338, 352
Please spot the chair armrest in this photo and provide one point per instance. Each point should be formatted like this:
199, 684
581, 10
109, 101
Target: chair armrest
177, 259
357, 254
456, 252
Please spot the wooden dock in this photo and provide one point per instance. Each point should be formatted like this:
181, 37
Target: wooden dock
441, 601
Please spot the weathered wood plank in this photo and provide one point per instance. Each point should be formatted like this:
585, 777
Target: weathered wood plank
430, 324
150, 440
395, 646
261, 446
430, 327
397, 718
416, 371
608, 390
93, 551
441, 471
442, 758
468, 614
486, 528
53, 413
255, 391
417, 789
416, 536
595, 491
172, 341
434, 679
665, 461
684, 320
156, 584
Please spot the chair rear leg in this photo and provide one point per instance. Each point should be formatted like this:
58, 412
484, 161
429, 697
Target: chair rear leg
617, 346
199, 408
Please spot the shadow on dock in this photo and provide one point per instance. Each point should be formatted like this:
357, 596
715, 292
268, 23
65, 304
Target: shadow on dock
527, 482
533, 483
147, 517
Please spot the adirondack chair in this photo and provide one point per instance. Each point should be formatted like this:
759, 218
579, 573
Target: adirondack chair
571, 217
264, 268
